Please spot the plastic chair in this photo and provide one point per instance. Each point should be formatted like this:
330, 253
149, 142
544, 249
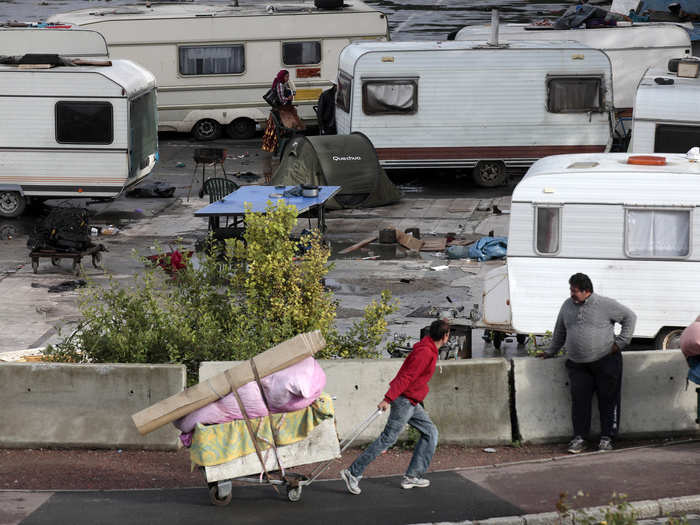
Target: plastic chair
217, 188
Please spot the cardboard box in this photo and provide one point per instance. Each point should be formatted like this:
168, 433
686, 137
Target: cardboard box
270, 361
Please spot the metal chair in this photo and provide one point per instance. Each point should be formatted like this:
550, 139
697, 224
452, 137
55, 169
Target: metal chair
203, 157
217, 188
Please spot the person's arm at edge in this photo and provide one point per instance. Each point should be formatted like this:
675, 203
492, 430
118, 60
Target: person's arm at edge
627, 319
558, 337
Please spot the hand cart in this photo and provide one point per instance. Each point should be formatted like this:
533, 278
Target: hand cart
321, 445
93, 251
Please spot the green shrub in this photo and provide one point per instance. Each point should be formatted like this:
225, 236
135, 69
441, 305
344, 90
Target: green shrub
239, 300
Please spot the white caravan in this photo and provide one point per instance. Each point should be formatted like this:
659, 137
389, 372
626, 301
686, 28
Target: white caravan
70, 43
631, 223
632, 49
70, 129
666, 114
213, 63
473, 105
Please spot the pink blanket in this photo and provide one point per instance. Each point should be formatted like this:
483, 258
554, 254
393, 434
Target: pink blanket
293, 388
690, 339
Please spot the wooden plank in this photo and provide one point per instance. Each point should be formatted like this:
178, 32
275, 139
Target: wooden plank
434, 244
357, 245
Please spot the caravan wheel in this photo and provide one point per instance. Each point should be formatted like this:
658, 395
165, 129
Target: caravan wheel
12, 204
241, 128
206, 129
489, 173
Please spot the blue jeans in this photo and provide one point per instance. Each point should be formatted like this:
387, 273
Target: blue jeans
402, 412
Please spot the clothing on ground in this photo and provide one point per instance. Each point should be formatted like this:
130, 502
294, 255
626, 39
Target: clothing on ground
587, 330
418, 368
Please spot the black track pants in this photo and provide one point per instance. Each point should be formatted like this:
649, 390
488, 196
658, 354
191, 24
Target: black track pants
603, 377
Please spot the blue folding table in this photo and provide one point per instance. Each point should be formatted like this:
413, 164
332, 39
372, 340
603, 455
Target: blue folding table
233, 205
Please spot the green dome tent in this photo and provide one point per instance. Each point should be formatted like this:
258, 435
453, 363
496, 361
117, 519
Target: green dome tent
349, 161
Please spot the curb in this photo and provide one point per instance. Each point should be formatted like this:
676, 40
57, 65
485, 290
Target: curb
645, 509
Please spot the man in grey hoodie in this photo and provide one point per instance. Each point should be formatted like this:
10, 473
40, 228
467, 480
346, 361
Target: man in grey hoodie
586, 329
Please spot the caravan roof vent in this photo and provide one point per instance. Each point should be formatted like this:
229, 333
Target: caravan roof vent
646, 160
582, 165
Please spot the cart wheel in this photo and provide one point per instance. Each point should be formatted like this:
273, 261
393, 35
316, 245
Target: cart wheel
216, 500
35, 265
294, 493
96, 258
55, 261
76, 266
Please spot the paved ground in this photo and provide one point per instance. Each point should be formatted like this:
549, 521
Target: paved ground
437, 203
643, 473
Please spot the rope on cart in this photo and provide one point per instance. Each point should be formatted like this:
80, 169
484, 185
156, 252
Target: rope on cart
253, 436
275, 436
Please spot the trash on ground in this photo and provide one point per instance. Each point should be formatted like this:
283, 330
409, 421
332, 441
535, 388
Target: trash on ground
152, 189
408, 241
434, 244
406, 280
457, 251
180, 165
488, 248
440, 268
248, 176
357, 245
370, 258
67, 286
110, 230
490, 450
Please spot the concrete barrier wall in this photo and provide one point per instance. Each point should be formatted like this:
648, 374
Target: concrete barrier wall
65, 405
468, 400
655, 401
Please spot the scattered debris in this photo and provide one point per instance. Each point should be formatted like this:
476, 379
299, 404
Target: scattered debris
434, 244
496, 210
490, 450
406, 280
370, 258
152, 189
357, 245
408, 241
488, 248
248, 176
440, 268
110, 230
67, 286
180, 165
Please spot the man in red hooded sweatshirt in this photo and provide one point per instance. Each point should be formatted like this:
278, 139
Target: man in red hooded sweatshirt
405, 395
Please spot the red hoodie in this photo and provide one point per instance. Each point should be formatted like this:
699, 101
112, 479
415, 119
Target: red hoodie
412, 379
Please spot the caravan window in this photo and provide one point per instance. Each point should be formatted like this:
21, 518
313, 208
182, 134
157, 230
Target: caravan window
342, 94
671, 138
574, 94
390, 97
663, 233
212, 60
301, 53
547, 228
84, 122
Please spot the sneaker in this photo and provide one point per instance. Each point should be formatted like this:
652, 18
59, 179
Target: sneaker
605, 443
577, 445
351, 482
408, 482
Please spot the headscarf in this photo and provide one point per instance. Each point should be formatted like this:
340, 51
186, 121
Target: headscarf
690, 339
279, 78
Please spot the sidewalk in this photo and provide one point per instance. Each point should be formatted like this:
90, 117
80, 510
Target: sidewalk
663, 477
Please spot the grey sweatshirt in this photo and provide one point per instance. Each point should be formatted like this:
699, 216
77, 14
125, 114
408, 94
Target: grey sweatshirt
586, 330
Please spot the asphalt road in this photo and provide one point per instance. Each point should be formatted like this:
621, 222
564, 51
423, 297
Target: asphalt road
450, 497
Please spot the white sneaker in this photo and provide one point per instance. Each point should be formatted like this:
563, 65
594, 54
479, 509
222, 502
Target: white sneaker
408, 482
351, 482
